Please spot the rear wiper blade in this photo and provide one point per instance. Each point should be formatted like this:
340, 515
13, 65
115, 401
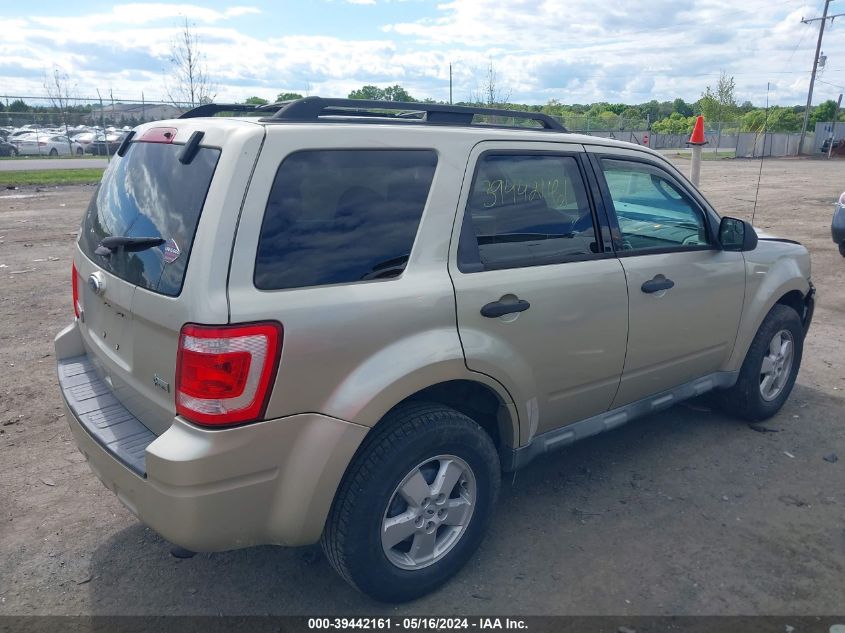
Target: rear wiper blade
130, 244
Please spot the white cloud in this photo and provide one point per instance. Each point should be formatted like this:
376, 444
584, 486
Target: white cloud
573, 50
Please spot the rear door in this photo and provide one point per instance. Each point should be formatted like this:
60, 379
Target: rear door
541, 299
685, 293
138, 291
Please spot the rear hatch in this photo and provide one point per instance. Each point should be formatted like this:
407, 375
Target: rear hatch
153, 254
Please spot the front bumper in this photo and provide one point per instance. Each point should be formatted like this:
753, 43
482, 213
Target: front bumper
809, 307
837, 225
210, 490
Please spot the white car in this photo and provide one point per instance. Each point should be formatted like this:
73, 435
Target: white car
43, 145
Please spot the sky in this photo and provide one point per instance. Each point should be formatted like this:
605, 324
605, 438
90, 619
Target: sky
575, 51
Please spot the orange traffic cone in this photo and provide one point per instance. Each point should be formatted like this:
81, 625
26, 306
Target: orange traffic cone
697, 137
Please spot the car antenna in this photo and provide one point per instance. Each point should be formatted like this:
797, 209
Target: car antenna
762, 153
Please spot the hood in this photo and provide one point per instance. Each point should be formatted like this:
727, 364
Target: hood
763, 235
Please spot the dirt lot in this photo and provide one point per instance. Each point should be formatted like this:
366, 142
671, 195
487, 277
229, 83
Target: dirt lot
685, 512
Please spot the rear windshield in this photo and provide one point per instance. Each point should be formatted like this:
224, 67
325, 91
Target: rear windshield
339, 216
149, 193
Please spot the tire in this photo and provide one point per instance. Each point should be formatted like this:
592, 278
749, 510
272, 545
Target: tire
54, 152
79, 151
414, 440
749, 398
842, 248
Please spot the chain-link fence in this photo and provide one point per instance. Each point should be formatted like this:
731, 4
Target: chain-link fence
34, 111
94, 118
606, 123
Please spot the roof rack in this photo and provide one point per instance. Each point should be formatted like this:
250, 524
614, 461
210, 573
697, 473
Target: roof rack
313, 108
318, 108
210, 109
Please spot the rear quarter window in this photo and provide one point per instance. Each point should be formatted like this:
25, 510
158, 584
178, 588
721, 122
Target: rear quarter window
341, 216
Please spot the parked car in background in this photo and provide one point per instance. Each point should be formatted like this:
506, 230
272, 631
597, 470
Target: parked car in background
105, 146
43, 145
837, 226
7, 149
84, 138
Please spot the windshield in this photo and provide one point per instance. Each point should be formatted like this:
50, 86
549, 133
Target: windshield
149, 194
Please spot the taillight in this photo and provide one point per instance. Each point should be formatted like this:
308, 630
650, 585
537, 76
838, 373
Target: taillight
74, 281
224, 374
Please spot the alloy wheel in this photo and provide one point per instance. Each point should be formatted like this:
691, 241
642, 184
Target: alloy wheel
428, 512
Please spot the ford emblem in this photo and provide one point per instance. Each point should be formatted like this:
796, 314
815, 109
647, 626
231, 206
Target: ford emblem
97, 282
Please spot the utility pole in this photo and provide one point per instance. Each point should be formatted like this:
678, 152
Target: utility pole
822, 20
450, 84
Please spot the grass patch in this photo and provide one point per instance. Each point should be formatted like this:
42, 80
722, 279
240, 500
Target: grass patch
51, 177
706, 155
63, 157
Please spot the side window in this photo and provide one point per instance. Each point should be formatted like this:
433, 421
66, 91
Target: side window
340, 216
653, 213
527, 210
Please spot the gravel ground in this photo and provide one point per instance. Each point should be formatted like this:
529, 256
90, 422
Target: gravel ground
685, 512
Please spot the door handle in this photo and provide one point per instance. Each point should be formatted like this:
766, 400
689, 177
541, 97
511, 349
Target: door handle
657, 284
500, 308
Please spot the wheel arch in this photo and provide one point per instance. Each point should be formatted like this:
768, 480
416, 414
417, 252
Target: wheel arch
792, 293
479, 402
793, 299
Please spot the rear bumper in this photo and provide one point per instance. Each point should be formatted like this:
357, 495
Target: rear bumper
213, 490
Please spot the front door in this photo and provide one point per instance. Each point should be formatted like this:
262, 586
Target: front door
685, 293
541, 299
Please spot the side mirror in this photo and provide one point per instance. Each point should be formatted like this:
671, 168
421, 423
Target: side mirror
737, 235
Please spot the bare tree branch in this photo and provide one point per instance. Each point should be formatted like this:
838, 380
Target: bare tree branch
60, 91
189, 83
490, 94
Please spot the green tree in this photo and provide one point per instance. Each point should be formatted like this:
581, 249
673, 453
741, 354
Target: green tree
288, 96
19, 105
783, 120
778, 120
255, 101
651, 110
679, 106
823, 113
374, 93
397, 93
631, 118
553, 107
754, 121
675, 123
719, 104
608, 119
368, 92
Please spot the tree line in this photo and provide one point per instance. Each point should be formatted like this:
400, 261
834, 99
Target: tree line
717, 104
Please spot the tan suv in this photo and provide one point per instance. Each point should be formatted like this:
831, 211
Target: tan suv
342, 320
